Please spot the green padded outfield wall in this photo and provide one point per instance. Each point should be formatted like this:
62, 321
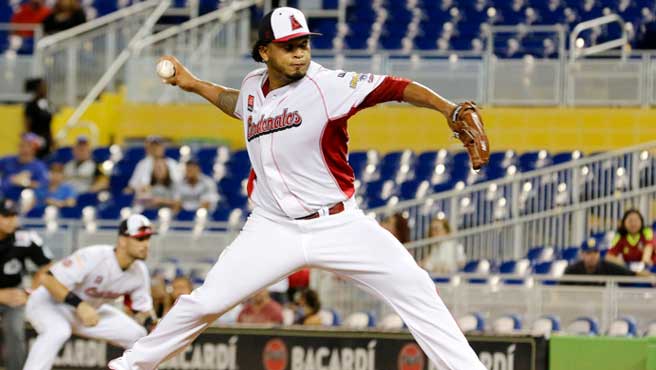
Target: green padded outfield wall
602, 353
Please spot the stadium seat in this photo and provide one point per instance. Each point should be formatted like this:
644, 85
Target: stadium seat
583, 326
570, 254
623, 327
329, 317
288, 316
472, 322
545, 326
507, 324
521, 268
540, 254
359, 320
391, 322
651, 329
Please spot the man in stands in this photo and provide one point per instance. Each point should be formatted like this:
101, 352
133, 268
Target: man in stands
82, 171
30, 12
24, 171
591, 264
261, 309
196, 190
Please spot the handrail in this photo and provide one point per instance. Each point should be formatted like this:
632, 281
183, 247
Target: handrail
611, 18
114, 68
463, 277
519, 177
220, 14
51, 40
532, 217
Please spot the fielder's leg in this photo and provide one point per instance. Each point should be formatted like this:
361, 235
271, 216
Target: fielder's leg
52, 322
114, 326
373, 258
263, 253
13, 328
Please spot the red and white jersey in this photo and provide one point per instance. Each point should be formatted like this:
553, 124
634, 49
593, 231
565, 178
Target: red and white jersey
93, 273
297, 137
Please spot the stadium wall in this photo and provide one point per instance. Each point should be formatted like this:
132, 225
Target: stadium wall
390, 127
602, 353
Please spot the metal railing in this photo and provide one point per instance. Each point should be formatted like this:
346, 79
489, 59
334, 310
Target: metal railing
16, 67
558, 205
207, 45
73, 61
614, 297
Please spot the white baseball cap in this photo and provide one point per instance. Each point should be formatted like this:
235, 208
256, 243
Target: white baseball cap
284, 24
136, 226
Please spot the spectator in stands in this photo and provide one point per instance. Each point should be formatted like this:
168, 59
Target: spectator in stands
37, 115
143, 172
24, 171
196, 189
82, 172
30, 12
179, 286
66, 14
278, 291
398, 226
60, 194
308, 308
592, 264
161, 190
633, 242
298, 281
161, 298
261, 309
444, 257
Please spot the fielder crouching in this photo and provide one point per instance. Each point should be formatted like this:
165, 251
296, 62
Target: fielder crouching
76, 294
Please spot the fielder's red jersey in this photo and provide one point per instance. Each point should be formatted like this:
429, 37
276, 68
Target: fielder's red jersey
297, 137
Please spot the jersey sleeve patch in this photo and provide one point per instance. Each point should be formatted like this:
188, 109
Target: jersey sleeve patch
27, 238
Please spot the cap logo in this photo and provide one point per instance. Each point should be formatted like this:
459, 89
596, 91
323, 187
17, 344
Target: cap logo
295, 24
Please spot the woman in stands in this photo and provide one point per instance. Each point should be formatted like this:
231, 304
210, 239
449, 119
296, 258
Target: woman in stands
444, 257
161, 189
634, 242
308, 308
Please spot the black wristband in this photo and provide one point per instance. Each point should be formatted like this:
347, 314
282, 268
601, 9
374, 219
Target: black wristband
72, 299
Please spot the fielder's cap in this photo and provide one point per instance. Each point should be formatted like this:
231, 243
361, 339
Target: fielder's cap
136, 226
590, 245
284, 24
8, 207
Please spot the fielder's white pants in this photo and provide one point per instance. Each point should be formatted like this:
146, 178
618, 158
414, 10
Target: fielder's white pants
349, 244
55, 322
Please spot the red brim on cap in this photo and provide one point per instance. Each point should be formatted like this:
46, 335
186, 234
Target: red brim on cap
296, 35
143, 233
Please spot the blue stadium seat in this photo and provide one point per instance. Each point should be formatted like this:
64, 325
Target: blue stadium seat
570, 254
101, 154
61, 155
134, 153
87, 199
583, 326
172, 152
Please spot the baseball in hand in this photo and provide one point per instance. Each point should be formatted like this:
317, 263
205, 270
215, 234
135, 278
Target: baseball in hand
165, 69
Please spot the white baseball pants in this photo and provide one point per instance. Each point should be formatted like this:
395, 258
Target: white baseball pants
55, 322
269, 248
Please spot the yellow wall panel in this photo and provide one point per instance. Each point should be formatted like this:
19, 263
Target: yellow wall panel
390, 127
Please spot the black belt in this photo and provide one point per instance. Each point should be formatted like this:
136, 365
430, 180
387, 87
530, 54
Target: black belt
337, 208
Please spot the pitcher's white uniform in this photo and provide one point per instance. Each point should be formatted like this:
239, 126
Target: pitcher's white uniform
93, 273
297, 143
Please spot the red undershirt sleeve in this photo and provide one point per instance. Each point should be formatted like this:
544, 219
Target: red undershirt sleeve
391, 89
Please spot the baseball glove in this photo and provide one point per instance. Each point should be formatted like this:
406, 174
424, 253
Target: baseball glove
467, 125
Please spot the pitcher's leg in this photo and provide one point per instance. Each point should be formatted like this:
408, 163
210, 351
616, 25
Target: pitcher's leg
262, 254
373, 258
